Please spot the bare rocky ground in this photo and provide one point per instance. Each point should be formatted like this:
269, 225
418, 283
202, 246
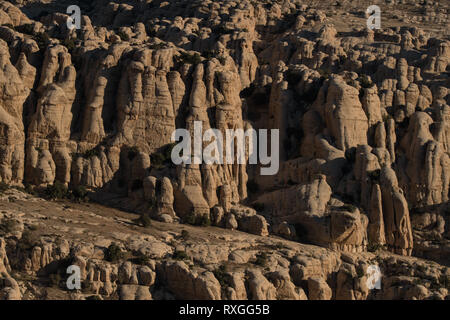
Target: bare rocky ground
175, 261
364, 176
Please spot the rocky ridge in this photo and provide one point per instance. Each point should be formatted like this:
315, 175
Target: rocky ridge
364, 136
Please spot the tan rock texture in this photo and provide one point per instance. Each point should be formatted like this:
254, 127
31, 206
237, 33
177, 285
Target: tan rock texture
364, 137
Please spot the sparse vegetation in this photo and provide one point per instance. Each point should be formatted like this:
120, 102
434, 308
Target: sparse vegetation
78, 193
3, 187
261, 259
374, 247
162, 157
28, 241
141, 259
347, 207
208, 54
113, 253
221, 30
189, 58
56, 191
8, 225
180, 255
222, 276
26, 29
360, 272
69, 43
42, 39
365, 82
144, 221
203, 220
185, 234
123, 36
59, 191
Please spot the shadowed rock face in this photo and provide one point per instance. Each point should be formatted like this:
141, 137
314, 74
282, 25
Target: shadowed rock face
363, 116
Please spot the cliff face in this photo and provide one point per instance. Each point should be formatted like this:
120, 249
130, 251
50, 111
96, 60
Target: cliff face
364, 116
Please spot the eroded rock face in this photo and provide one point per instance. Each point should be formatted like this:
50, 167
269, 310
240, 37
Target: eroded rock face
344, 115
363, 116
13, 93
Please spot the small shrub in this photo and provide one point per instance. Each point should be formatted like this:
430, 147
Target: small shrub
222, 60
203, 221
365, 82
180, 255
162, 157
347, 207
141, 259
113, 253
54, 280
188, 58
42, 40
208, 55
157, 46
190, 219
69, 43
78, 193
157, 160
8, 25
374, 247
324, 74
28, 241
56, 191
94, 152
3, 187
7, 226
29, 189
221, 30
26, 29
221, 275
144, 221
360, 272
123, 36
185, 234
261, 259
